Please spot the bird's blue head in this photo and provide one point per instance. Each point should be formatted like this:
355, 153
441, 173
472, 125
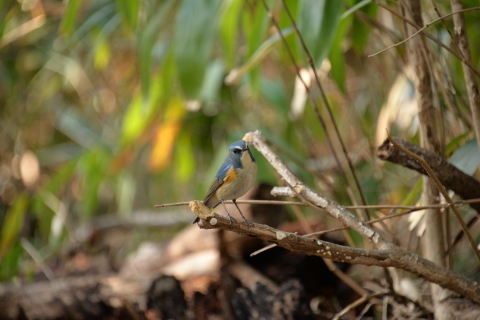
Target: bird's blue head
240, 153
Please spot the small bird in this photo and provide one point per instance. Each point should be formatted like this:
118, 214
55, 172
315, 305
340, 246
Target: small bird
234, 178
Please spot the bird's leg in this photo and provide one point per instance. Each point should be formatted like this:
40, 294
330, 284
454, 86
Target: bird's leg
235, 203
229, 216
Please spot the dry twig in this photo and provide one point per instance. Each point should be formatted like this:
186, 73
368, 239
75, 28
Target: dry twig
385, 254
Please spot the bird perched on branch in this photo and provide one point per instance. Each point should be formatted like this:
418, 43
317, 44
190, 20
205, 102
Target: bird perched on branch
234, 178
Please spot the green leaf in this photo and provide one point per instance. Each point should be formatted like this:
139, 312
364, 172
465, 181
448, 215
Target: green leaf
92, 170
412, 197
354, 8
257, 57
13, 223
360, 29
195, 32
229, 16
457, 141
10, 265
184, 157
129, 11
68, 22
141, 111
337, 56
257, 27
101, 52
467, 158
317, 22
148, 39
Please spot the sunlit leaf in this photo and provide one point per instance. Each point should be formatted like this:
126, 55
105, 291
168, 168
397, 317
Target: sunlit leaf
148, 40
256, 29
129, 11
317, 21
195, 33
184, 158
13, 223
336, 55
92, 170
101, 53
166, 135
229, 17
140, 112
68, 20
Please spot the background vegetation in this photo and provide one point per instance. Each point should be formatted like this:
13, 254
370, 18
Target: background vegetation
109, 107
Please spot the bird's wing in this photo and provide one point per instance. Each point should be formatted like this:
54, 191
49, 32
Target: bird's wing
216, 183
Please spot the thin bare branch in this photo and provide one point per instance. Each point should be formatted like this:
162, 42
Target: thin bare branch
356, 303
421, 30
313, 102
311, 62
427, 35
442, 190
391, 256
470, 81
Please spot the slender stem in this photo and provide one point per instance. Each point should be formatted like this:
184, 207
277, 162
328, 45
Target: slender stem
427, 35
423, 28
311, 62
442, 190
310, 97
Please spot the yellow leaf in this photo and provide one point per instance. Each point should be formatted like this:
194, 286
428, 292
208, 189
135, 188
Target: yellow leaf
166, 136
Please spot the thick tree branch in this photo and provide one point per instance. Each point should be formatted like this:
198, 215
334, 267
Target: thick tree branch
444, 193
391, 257
451, 177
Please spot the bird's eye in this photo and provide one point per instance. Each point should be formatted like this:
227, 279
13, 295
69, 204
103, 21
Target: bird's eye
236, 151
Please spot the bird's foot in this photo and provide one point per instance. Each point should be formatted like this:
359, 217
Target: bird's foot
231, 219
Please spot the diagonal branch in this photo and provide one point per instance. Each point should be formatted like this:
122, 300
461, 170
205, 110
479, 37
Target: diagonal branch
470, 81
450, 176
316, 200
421, 30
392, 257
443, 191
385, 254
428, 35
314, 104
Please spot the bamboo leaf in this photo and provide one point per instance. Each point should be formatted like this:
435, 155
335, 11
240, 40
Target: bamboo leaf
337, 56
195, 32
13, 223
68, 22
317, 21
129, 11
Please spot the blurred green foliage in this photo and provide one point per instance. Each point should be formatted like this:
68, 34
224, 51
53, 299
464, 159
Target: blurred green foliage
124, 104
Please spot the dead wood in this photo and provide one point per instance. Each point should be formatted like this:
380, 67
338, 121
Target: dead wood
450, 176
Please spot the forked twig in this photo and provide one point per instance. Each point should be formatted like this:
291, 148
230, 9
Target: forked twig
413, 24
421, 30
385, 254
442, 190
